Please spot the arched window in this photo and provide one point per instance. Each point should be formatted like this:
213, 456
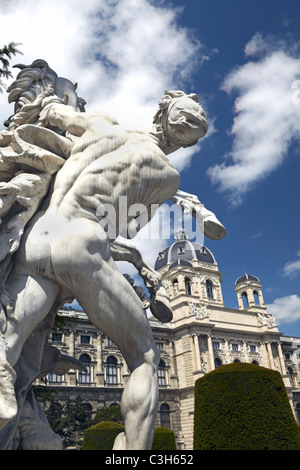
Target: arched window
255, 362
256, 298
165, 416
188, 286
88, 410
85, 377
245, 300
218, 362
209, 290
298, 411
161, 373
111, 370
291, 376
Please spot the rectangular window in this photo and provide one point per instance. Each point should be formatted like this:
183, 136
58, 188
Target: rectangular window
84, 339
216, 345
56, 336
161, 376
52, 377
235, 347
111, 374
252, 348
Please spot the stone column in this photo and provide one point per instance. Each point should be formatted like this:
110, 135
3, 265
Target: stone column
270, 355
99, 369
282, 364
197, 363
226, 349
210, 352
71, 376
245, 351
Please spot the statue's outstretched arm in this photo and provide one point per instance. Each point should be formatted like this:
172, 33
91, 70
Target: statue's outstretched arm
65, 117
207, 221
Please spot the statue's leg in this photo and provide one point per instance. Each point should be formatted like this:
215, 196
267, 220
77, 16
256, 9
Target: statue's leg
34, 297
114, 308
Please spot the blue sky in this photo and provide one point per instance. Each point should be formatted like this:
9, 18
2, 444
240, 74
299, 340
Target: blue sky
243, 60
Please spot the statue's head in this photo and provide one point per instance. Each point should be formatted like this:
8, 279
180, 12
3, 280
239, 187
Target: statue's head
33, 82
181, 119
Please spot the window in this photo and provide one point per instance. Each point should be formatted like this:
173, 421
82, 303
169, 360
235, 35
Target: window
165, 416
209, 290
298, 411
88, 410
52, 377
56, 336
111, 370
235, 347
256, 298
84, 339
216, 345
218, 362
180, 250
85, 376
188, 287
291, 375
252, 348
161, 373
245, 300
110, 343
160, 346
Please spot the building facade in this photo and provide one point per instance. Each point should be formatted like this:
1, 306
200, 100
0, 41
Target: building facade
203, 335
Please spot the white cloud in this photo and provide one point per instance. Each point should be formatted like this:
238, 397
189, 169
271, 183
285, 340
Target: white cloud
124, 54
292, 268
266, 118
285, 309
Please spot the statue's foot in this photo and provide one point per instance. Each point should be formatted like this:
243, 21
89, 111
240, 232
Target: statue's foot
8, 402
120, 442
160, 306
41, 440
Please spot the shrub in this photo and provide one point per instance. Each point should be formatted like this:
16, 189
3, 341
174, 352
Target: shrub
101, 436
164, 439
243, 407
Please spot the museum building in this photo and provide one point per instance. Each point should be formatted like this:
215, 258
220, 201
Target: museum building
202, 336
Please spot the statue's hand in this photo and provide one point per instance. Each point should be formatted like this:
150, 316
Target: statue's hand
48, 102
207, 221
190, 204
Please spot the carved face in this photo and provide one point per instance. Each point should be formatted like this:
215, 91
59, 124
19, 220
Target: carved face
186, 122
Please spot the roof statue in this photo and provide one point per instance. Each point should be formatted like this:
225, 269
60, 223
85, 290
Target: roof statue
63, 176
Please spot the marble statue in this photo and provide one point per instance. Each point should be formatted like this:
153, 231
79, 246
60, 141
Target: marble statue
63, 173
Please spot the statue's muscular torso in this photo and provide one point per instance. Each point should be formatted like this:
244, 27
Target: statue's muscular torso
114, 165
100, 170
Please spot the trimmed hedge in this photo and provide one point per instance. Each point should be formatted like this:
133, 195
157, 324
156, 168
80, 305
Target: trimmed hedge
243, 407
101, 436
164, 439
